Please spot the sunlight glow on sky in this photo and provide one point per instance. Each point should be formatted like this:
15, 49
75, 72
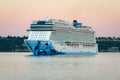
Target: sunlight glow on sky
102, 15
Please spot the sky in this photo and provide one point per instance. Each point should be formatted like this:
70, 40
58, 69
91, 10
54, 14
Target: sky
102, 15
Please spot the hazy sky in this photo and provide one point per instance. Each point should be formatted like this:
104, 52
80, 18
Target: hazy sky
102, 15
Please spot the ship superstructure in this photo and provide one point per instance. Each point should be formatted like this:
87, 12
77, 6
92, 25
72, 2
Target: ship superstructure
52, 37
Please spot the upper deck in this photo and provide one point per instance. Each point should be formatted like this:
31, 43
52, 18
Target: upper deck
41, 25
54, 24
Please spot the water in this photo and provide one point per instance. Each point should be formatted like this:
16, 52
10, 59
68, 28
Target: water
23, 66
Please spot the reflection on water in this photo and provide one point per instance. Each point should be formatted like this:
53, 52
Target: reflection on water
23, 66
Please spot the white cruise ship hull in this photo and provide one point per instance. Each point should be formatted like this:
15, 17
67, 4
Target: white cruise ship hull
75, 49
51, 37
57, 49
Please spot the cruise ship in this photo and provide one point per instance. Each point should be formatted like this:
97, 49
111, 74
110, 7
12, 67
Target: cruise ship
58, 37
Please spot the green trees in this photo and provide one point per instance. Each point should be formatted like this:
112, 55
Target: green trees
16, 44
12, 44
108, 44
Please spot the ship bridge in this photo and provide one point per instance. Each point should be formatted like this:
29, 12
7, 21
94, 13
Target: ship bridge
41, 25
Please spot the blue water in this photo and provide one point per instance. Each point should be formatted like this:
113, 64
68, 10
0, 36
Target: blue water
24, 66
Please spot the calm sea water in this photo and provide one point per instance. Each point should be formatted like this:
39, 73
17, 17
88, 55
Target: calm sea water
23, 66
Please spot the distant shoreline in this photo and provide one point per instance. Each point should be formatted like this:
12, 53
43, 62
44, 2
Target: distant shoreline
16, 44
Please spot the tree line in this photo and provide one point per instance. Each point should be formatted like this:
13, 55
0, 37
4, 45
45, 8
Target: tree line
108, 44
12, 44
16, 44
